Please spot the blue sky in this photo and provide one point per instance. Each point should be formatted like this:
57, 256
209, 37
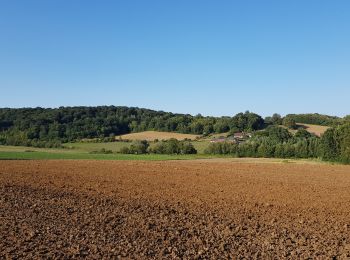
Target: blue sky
187, 56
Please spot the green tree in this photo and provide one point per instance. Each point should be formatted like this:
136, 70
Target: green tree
289, 122
343, 133
187, 148
330, 145
278, 134
302, 133
139, 147
276, 119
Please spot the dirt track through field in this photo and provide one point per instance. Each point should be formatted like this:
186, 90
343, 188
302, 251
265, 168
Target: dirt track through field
173, 209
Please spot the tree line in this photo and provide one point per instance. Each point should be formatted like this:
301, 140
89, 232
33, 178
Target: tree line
317, 119
278, 142
52, 126
171, 146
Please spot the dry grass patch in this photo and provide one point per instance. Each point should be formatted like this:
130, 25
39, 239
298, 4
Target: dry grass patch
152, 135
315, 129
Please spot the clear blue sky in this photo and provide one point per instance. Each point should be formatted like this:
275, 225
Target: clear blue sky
188, 56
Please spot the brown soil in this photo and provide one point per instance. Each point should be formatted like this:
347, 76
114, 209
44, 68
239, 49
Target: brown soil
173, 209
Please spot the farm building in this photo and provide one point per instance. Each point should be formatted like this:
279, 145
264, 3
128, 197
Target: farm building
222, 139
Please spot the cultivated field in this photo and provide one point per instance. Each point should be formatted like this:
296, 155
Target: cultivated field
152, 135
313, 129
174, 209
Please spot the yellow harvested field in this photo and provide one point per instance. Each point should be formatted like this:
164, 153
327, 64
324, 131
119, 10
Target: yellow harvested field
152, 135
315, 129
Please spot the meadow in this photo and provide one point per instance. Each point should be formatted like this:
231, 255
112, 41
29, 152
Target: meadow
153, 135
86, 151
200, 146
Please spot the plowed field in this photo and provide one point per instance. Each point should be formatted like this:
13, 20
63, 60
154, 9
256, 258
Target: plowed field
173, 209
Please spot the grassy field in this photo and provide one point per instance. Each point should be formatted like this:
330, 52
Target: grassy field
30, 153
90, 147
212, 136
200, 146
115, 146
64, 155
82, 151
152, 135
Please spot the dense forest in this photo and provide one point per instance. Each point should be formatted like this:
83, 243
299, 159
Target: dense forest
317, 119
50, 127
35, 126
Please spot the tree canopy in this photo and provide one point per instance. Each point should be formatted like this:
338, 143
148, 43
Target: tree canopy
30, 126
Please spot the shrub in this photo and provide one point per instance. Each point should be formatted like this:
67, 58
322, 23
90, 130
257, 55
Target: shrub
187, 148
124, 150
102, 151
173, 146
302, 133
277, 133
158, 148
139, 147
289, 122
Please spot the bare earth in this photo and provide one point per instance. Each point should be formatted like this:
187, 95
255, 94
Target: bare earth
152, 135
173, 209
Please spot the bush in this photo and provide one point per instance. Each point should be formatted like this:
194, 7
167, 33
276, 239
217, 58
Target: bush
124, 150
102, 151
289, 122
302, 133
158, 148
138, 147
187, 148
277, 133
173, 146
